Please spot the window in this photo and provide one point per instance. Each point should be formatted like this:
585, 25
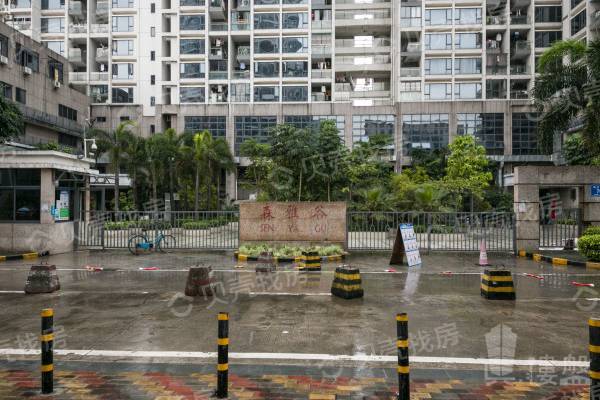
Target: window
239, 93
266, 69
266, 45
152, 8
122, 24
467, 90
295, 21
424, 131
251, 127
438, 41
53, 25
266, 93
191, 22
124, 118
365, 126
153, 79
122, 3
53, 4
295, 69
547, 38
122, 47
57, 46
294, 45
55, 70
495, 89
20, 195
122, 71
152, 31
487, 128
294, 93
266, 21
27, 58
548, 14
191, 46
438, 16
100, 119
467, 16
152, 129
191, 94
99, 93
410, 16
314, 122
438, 66
468, 40
122, 95
152, 55
578, 22
67, 112
467, 65
152, 101
216, 125
192, 70
20, 95
5, 90
524, 134
438, 91
3, 46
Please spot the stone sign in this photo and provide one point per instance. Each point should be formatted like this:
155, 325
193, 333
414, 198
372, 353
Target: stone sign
313, 222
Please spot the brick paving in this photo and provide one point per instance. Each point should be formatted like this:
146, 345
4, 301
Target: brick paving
92, 385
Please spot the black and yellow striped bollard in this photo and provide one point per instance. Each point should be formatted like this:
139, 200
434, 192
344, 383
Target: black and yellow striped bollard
47, 340
594, 348
310, 261
347, 283
497, 285
402, 343
223, 355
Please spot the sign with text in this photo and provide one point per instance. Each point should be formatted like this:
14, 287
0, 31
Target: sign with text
406, 244
293, 222
595, 190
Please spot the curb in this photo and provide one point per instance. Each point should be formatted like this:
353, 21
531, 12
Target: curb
557, 260
24, 256
245, 257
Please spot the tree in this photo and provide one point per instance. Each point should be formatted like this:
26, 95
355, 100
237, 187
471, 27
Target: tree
332, 157
11, 118
564, 91
260, 167
433, 161
116, 144
135, 163
155, 150
368, 166
467, 168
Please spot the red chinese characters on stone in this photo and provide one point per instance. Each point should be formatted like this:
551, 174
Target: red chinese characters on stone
292, 215
267, 217
321, 225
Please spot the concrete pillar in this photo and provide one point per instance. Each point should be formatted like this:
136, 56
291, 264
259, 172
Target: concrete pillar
87, 199
590, 206
47, 196
527, 208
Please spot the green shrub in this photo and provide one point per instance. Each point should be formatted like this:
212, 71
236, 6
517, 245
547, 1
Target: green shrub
589, 246
592, 230
288, 251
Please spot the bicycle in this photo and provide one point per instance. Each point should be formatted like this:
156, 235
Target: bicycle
140, 243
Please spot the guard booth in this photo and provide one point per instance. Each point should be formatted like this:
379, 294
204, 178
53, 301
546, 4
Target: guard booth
41, 200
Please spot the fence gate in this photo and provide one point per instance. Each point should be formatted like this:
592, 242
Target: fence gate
558, 226
214, 230
435, 231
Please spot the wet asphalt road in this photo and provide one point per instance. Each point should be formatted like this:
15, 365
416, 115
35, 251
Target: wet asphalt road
130, 309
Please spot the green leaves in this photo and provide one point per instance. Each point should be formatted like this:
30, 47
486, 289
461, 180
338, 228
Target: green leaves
11, 118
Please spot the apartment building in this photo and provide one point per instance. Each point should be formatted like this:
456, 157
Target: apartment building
421, 71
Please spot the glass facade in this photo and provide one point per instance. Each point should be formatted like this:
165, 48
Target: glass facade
425, 131
250, 127
314, 122
20, 195
524, 134
365, 126
488, 128
216, 125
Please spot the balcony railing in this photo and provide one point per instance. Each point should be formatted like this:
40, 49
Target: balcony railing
219, 26
519, 70
381, 42
362, 16
99, 76
321, 48
410, 71
37, 117
322, 24
321, 74
241, 74
217, 75
495, 20
240, 25
78, 76
99, 28
358, 2
77, 28
519, 19
519, 94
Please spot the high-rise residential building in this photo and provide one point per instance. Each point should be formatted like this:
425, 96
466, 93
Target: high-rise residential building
421, 71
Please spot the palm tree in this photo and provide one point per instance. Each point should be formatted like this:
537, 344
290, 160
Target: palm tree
155, 149
223, 161
116, 144
135, 163
172, 150
564, 91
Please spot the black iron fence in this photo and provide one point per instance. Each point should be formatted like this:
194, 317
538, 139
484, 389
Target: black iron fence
559, 227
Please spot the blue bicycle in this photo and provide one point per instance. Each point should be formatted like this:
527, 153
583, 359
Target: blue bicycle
139, 243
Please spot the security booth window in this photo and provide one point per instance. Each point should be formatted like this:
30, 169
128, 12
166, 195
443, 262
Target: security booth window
20, 195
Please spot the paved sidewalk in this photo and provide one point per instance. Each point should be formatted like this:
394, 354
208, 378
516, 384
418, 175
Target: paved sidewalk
159, 381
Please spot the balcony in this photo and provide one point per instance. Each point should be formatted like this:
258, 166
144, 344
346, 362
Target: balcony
102, 9
99, 76
99, 28
412, 51
363, 18
240, 25
78, 77
351, 46
411, 96
40, 118
77, 56
102, 54
363, 63
320, 97
78, 28
76, 9
519, 94
361, 3
345, 91
520, 49
321, 49
496, 64
321, 24
410, 72
243, 54
321, 74
217, 9
520, 20
495, 20
219, 26
237, 74
21, 25
217, 75
519, 69
217, 53
515, 4
320, 4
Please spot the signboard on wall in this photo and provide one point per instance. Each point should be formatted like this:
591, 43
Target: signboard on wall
62, 211
293, 222
595, 189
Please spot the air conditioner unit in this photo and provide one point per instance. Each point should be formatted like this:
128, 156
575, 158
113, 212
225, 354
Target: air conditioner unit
266, 69
244, 3
292, 45
56, 84
220, 98
295, 94
27, 71
3, 60
291, 22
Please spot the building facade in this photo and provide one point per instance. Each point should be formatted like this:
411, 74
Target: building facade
421, 71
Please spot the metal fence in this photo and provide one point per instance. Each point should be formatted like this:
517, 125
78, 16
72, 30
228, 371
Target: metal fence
216, 230
435, 231
558, 226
